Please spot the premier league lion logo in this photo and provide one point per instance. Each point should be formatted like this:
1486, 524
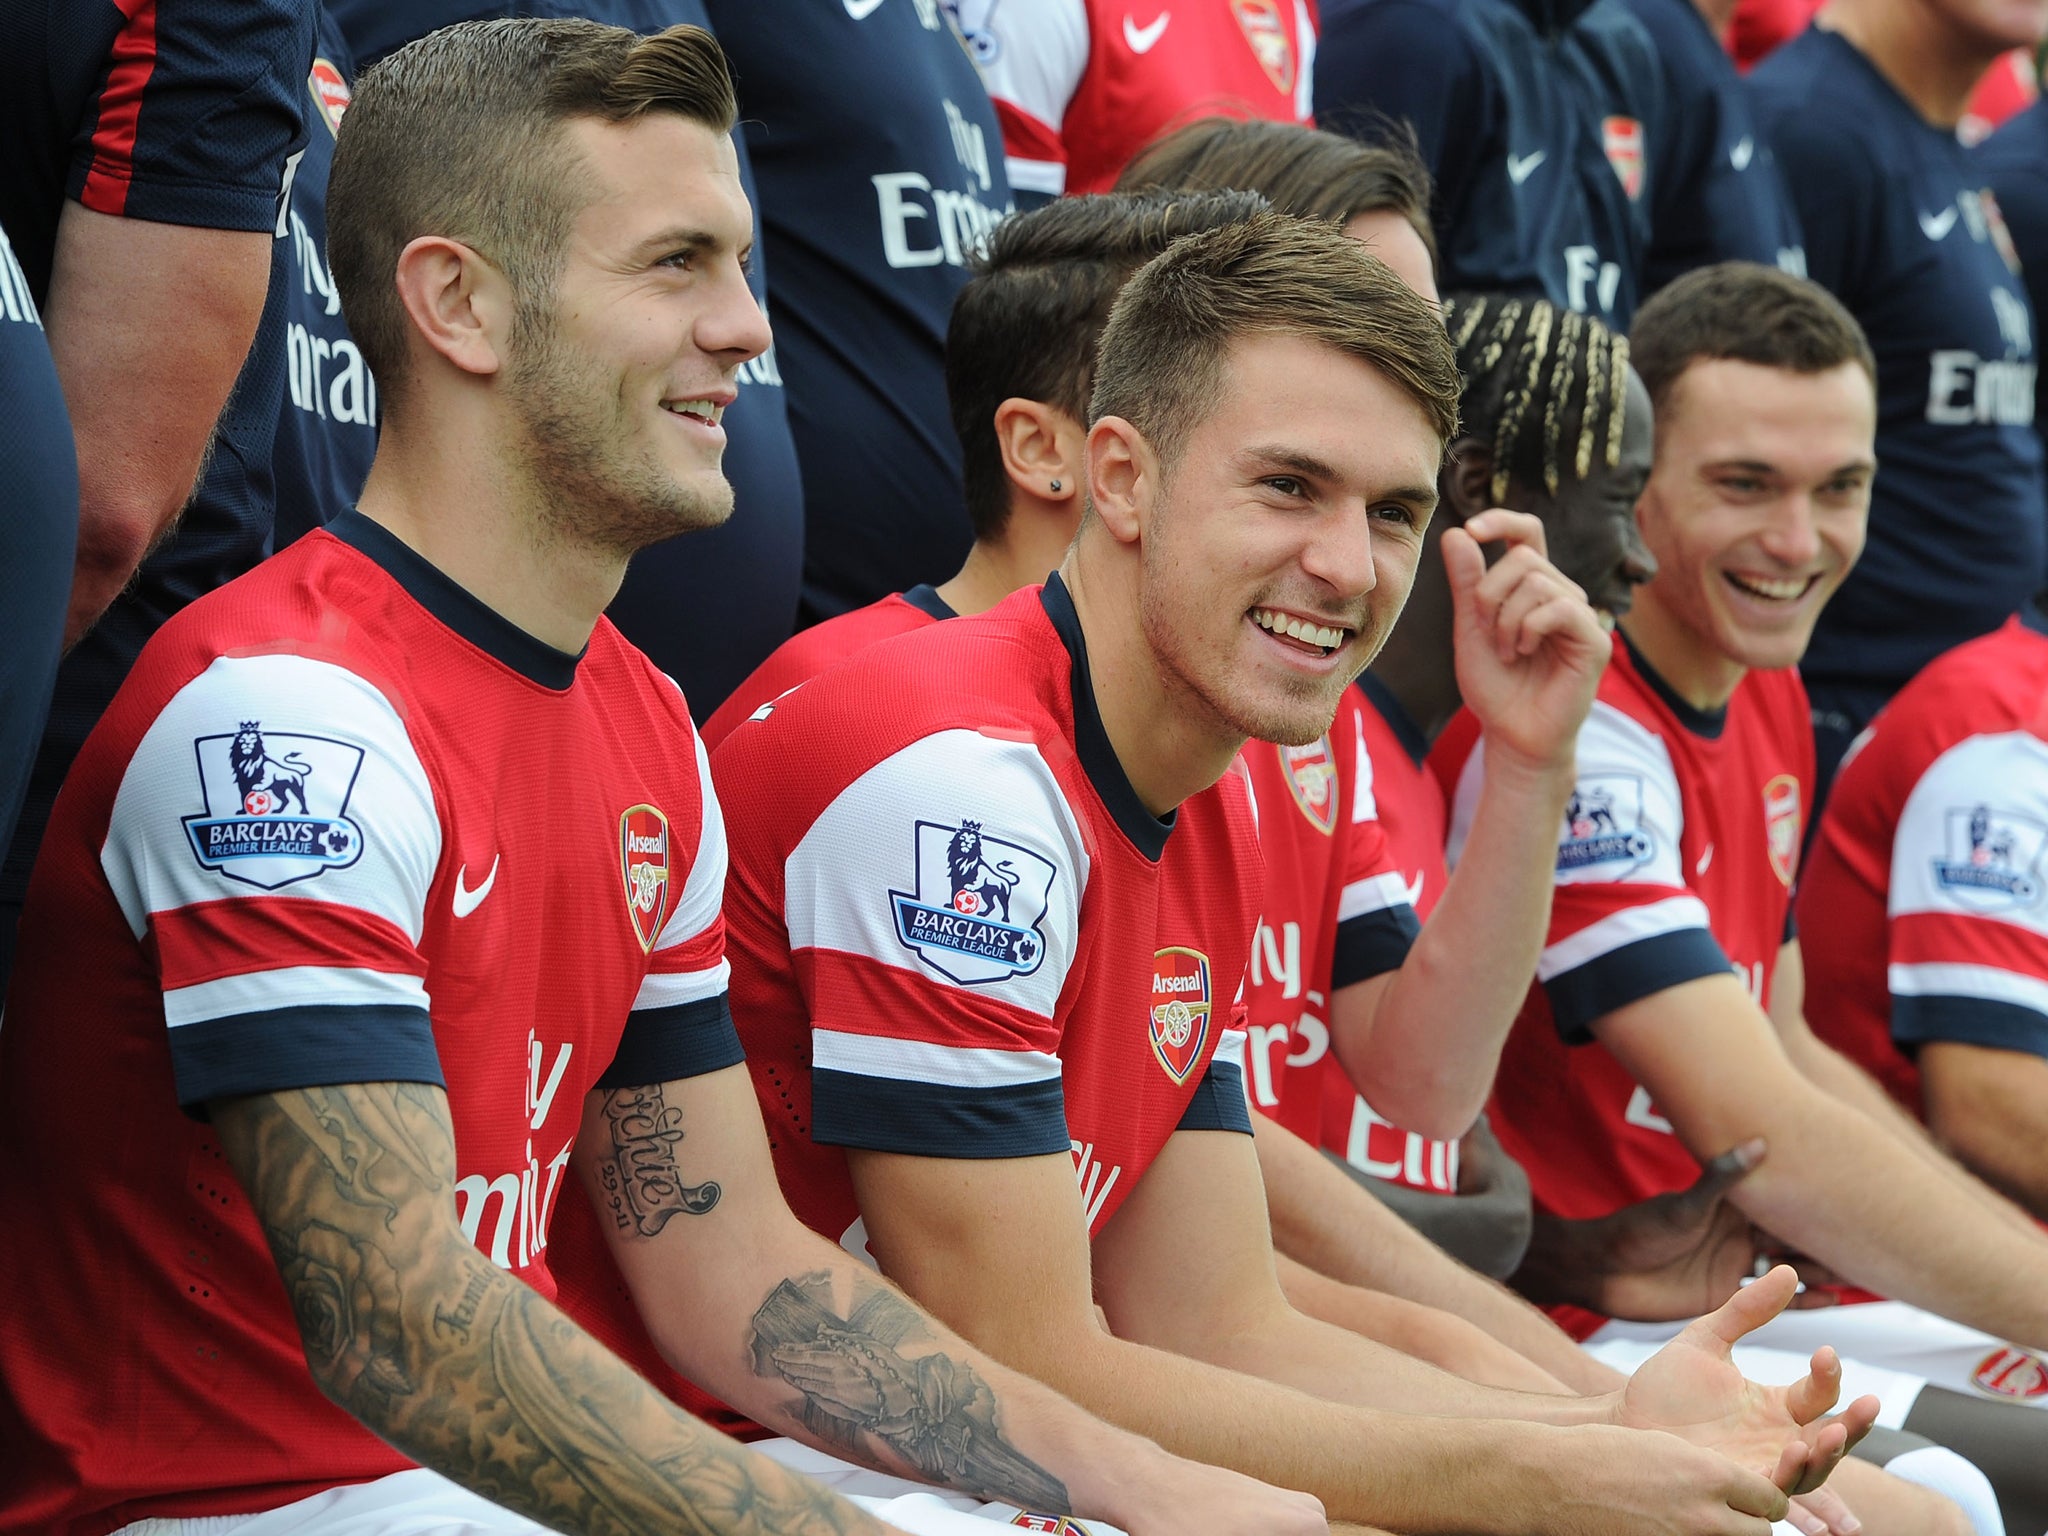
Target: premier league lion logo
276, 805
994, 895
1993, 859
267, 785
1603, 826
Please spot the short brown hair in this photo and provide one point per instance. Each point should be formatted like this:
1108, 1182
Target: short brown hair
1161, 358
1302, 171
1747, 313
1027, 321
459, 134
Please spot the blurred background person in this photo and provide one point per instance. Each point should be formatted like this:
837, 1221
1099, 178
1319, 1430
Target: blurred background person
2014, 165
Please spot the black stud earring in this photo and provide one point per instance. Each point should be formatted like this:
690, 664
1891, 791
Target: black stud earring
1055, 485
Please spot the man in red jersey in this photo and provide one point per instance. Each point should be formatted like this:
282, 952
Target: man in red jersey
1081, 86
398, 873
1668, 1022
1920, 908
992, 904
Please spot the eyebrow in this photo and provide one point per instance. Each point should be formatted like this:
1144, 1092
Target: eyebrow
1307, 464
1760, 467
669, 241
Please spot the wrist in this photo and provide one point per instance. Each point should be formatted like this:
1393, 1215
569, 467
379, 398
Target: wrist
1547, 777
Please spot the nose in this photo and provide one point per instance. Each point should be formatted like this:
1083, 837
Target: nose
734, 328
1638, 565
1339, 553
1790, 537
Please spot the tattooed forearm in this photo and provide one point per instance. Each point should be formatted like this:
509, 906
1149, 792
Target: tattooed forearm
460, 1365
933, 1411
641, 1184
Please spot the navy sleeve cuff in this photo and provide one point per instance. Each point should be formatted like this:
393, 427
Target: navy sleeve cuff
1791, 925
661, 1045
1373, 943
2002, 1026
1628, 975
1219, 1103
302, 1047
886, 1114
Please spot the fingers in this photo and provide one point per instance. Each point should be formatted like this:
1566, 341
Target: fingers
1806, 1522
1816, 1392
1515, 529
1503, 603
1764, 1497
1729, 1169
1748, 1309
1826, 1508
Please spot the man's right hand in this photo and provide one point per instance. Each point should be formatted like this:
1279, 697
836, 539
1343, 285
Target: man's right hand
1633, 1482
1191, 1499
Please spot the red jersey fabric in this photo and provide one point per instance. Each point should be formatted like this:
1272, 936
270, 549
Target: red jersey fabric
805, 654
343, 824
1675, 861
1080, 86
1922, 913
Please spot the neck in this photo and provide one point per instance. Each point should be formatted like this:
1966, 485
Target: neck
1697, 673
1719, 14
1027, 550
1416, 661
1168, 741
1926, 61
481, 525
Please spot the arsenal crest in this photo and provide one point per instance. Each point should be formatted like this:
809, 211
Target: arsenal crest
1781, 825
1180, 1009
330, 93
1054, 1525
2011, 1373
643, 861
1312, 778
1622, 138
1269, 41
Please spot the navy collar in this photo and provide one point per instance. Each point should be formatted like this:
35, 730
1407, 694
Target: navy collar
1091, 741
925, 599
1399, 721
1705, 723
2032, 617
469, 616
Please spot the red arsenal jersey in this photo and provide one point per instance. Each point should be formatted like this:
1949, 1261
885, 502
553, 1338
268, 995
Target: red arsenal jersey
807, 653
1398, 794
1922, 913
343, 824
1336, 911
1080, 86
1675, 861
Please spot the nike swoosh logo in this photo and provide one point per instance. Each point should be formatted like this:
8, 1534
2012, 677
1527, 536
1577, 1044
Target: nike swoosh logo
861, 10
1740, 155
1935, 226
1142, 38
1522, 167
1415, 890
467, 902
1705, 859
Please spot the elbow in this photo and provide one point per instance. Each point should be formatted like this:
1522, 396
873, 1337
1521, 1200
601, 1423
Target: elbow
1441, 1105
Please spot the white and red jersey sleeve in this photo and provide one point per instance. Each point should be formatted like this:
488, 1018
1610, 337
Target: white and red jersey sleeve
1967, 914
285, 919
1624, 922
932, 966
1376, 920
1033, 55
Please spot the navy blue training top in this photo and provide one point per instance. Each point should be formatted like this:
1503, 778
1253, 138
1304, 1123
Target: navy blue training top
881, 167
1897, 230
187, 112
1538, 121
707, 608
2014, 165
1719, 194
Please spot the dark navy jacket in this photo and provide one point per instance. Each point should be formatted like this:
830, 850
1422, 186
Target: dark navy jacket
2014, 165
1896, 229
1539, 120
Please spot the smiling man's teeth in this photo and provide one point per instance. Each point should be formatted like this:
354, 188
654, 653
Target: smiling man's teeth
703, 410
1776, 591
1298, 629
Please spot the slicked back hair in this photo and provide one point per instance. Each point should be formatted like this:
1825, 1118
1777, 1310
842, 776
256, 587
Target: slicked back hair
1546, 387
1303, 171
1748, 313
460, 134
1161, 360
1026, 324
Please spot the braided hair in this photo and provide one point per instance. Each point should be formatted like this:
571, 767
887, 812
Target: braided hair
1534, 376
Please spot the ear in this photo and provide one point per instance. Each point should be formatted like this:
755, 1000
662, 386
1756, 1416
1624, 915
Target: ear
459, 304
1466, 481
1042, 448
1123, 476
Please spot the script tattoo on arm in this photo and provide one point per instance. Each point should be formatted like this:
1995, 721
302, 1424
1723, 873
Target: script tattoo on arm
460, 1365
642, 1185
934, 1412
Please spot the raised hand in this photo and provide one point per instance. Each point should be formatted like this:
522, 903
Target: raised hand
1530, 648
1691, 1388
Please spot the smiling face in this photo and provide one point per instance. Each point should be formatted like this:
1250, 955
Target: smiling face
619, 377
1757, 505
1281, 547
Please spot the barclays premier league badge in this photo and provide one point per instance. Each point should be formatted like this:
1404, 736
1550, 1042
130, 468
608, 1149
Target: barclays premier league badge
276, 806
1994, 859
974, 917
1603, 824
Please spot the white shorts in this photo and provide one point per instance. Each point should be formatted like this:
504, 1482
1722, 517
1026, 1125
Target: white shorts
422, 1503
1887, 1347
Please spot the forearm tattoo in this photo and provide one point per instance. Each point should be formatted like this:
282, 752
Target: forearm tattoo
460, 1365
641, 1183
858, 1384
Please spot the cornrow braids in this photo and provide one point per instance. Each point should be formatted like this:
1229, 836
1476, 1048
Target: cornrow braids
1534, 378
